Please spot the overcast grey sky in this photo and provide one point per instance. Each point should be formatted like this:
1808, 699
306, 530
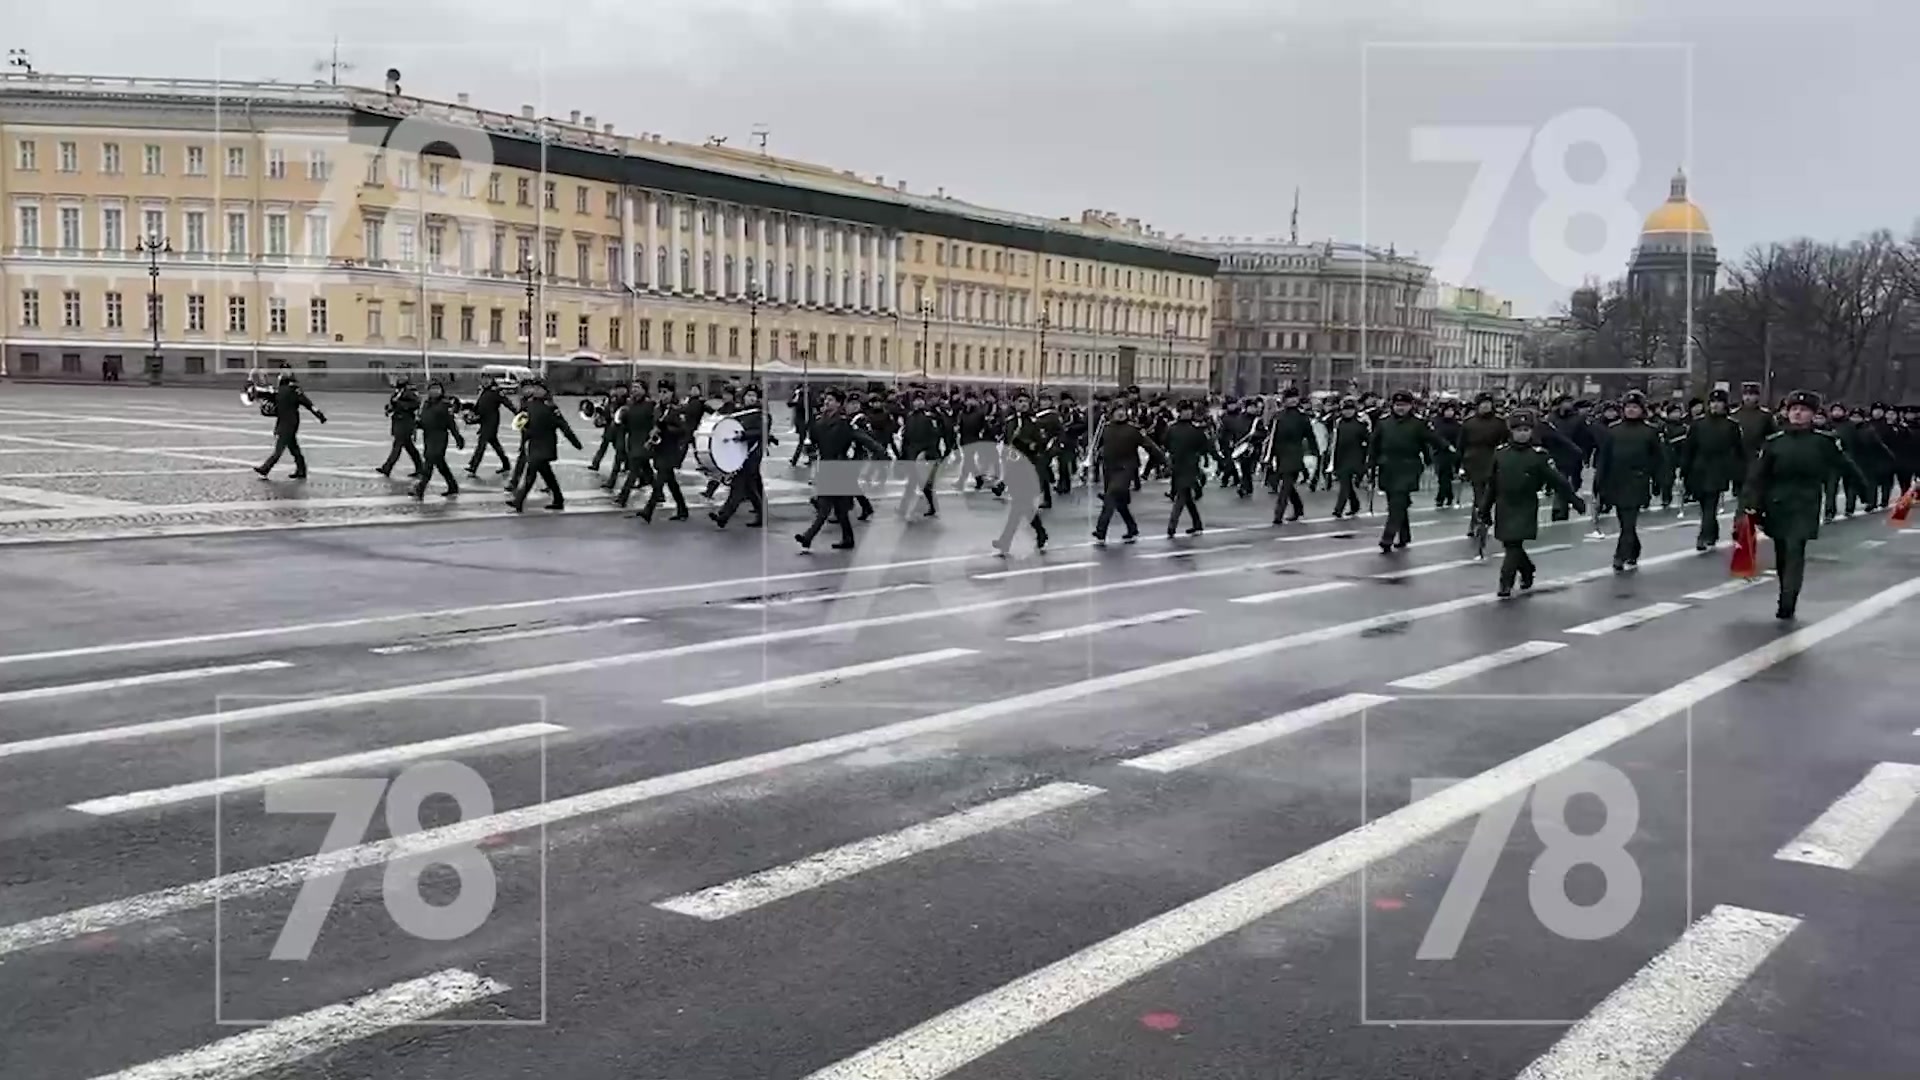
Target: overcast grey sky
1200, 116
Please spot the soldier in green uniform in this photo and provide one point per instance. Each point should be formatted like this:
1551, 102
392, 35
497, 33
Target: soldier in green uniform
1712, 461
1480, 435
1402, 447
1510, 499
1631, 457
1784, 487
1756, 423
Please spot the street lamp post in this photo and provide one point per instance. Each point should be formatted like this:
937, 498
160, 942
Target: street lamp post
926, 332
1040, 370
528, 270
1173, 330
895, 362
153, 247
753, 331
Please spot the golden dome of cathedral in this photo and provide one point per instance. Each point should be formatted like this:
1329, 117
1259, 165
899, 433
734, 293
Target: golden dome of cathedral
1678, 214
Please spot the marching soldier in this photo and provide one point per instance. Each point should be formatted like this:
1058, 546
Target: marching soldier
1289, 442
1783, 490
1347, 445
403, 408
1066, 450
1052, 432
921, 437
1673, 431
1756, 422
1712, 461
1186, 449
1119, 453
1509, 501
1447, 431
488, 406
1841, 426
1025, 477
1236, 427
1400, 449
1568, 440
834, 438
1906, 449
437, 424
1876, 460
746, 485
1632, 455
609, 432
545, 425
288, 400
637, 433
1480, 435
669, 449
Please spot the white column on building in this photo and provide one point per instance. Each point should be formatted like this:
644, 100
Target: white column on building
699, 283
626, 237
890, 291
673, 251
820, 268
777, 224
760, 227
649, 209
737, 243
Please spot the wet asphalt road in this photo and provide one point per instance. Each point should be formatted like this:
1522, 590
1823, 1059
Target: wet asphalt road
1129, 846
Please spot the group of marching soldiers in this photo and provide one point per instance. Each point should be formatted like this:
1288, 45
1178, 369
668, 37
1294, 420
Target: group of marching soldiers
1790, 465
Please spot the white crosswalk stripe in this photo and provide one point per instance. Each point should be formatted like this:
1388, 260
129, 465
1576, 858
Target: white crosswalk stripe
1843, 835
1626, 619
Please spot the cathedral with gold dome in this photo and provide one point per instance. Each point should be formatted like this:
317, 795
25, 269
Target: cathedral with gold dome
1676, 256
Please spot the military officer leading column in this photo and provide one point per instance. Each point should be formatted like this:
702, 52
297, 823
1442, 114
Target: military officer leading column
1783, 490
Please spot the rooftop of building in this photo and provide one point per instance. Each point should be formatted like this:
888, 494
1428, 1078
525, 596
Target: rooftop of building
1678, 214
584, 133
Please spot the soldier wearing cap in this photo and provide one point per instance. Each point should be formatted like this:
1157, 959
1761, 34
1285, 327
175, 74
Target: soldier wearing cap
1846, 432
1632, 455
671, 434
1401, 448
1186, 449
1446, 460
1480, 435
437, 424
1289, 443
1783, 490
1347, 439
1509, 500
1756, 420
1568, 439
1875, 455
540, 448
1906, 450
1712, 461
1673, 431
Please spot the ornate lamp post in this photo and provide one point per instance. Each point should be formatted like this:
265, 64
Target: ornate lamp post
153, 247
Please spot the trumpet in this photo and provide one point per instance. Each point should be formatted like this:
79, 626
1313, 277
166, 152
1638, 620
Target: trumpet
260, 397
520, 421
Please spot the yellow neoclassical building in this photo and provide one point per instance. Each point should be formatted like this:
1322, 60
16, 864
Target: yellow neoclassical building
353, 232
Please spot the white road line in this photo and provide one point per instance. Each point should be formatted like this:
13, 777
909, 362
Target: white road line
463, 683
1423, 571
506, 635
819, 678
262, 879
967, 1032
89, 475
1287, 594
150, 679
1479, 665
1088, 629
1872, 543
1642, 1024
828, 597
297, 1038
335, 766
1190, 553
735, 897
1245, 737
1843, 835
60, 500
1726, 588
1051, 568
1625, 619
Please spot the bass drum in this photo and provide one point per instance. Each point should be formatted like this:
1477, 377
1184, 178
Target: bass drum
717, 449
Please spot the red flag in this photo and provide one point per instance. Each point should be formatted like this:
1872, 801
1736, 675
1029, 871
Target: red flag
1902, 507
1746, 547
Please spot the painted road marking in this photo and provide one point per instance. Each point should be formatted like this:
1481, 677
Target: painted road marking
60, 500
1189, 553
508, 635
1640, 1026
1726, 588
820, 678
336, 766
1625, 619
1088, 629
1245, 737
969, 1031
1052, 568
150, 679
193, 895
745, 894
297, 1038
1479, 665
1843, 835
1286, 594
829, 597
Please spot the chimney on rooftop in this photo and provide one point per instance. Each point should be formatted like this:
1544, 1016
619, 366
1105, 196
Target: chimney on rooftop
588, 120
609, 129
901, 186
464, 98
881, 179
574, 117
526, 112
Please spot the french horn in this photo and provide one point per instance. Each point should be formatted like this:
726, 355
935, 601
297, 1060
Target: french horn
259, 397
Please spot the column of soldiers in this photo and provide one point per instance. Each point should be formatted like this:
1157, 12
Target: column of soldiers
1028, 449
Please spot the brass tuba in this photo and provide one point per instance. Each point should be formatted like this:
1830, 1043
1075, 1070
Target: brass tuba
256, 396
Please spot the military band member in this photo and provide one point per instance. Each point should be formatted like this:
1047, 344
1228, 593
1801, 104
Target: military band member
922, 437
746, 485
1480, 435
1186, 450
488, 406
1712, 462
1509, 501
1119, 452
544, 428
609, 432
1448, 433
288, 400
834, 439
1289, 443
437, 425
1673, 431
667, 449
1236, 427
1398, 453
1783, 489
1025, 477
402, 409
1347, 446
1631, 456
1067, 447
637, 433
